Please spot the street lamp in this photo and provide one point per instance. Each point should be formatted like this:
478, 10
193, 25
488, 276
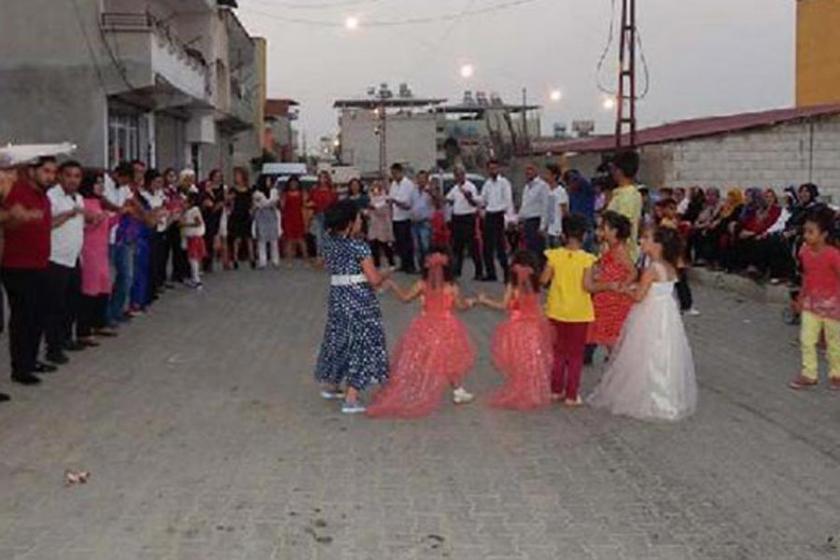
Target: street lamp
467, 71
351, 23
556, 95
608, 103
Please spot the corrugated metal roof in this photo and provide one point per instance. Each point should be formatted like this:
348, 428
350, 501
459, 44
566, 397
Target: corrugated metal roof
688, 129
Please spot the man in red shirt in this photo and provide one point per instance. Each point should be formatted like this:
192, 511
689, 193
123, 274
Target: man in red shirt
24, 266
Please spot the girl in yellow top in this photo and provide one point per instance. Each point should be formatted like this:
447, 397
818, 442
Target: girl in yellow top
568, 273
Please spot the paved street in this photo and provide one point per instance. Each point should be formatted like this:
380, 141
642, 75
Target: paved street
206, 440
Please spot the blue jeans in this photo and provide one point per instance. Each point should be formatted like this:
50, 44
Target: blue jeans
122, 271
319, 230
421, 234
140, 296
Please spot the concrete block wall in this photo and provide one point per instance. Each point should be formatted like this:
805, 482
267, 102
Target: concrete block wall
777, 156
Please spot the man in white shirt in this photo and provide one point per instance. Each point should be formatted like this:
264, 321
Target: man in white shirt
497, 199
63, 292
533, 212
421, 217
401, 196
558, 205
155, 197
465, 203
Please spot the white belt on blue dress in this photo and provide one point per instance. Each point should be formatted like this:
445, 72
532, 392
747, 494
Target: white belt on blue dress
348, 279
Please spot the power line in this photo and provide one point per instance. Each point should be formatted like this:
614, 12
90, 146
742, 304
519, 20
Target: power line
610, 38
602, 59
398, 22
315, 6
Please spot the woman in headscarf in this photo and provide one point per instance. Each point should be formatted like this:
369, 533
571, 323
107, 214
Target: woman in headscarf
772, 252
700, 240
752, 230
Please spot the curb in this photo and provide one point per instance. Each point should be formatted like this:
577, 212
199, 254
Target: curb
746, 287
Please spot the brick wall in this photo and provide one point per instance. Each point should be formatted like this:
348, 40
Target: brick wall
775, 156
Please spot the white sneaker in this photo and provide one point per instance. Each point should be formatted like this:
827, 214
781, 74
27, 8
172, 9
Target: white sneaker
461, 396
693, 312
352, 408
332, 395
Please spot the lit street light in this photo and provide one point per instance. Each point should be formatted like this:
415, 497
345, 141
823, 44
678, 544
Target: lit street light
609, 103
556, 95
467, 71
351, 23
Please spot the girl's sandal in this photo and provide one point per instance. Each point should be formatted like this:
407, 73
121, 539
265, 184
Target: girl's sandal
802, 382
573, 403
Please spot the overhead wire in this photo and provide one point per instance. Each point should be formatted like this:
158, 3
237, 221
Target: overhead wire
315, 6
602, 59
397, 22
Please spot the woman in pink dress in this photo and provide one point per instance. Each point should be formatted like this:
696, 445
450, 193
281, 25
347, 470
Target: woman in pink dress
434, 353
523, 346
96, 273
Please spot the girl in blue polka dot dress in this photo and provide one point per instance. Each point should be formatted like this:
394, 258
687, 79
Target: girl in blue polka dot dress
353, 354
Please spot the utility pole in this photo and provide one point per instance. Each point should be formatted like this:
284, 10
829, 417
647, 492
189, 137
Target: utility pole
526, 139
626, 102
383, 142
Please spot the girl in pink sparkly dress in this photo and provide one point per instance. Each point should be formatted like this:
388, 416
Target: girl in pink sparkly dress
523, 348
434, 353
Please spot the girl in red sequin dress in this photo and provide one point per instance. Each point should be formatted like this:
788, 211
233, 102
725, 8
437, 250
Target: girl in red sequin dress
614, 271
523, 348
434, 353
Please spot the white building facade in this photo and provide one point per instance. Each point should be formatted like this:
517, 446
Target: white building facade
410, 138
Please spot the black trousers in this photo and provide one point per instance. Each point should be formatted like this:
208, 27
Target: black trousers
92, 314
63, 292
377, 248
494, 243
25, 288
774, 255
684, 295
405, 245
158, 257
464, 237
180, 264
534, 242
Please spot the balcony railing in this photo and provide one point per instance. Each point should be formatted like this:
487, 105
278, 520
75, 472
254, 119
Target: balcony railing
163, 35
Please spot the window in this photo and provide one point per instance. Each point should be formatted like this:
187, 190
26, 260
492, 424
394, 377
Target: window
123, 138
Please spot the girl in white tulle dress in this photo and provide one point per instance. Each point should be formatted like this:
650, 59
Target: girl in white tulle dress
651, 371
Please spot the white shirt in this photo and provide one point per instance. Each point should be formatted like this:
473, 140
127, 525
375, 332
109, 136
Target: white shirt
402, 192
497, 195
535, 202
156, 200
557, 198
422, 207
66, 239
460, 204
117, 196
191, 216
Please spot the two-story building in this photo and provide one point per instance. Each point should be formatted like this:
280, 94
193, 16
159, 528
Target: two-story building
174, 83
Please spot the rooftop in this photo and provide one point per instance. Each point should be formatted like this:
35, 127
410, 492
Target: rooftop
393, 102
279, 107
689, 129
